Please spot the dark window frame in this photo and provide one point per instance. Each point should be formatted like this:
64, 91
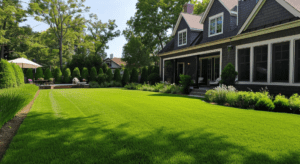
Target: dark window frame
297, 62
279, 72
259, 60
242, 64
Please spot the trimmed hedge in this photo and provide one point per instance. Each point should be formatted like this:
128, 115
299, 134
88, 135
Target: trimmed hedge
104, 67
117, 76
125, 78
85, 73
29, 74
7, 75
67, 75
14, 99
48, 74
93, 75
19, 74
134, 77
57, 76
39, 73
109, 74
76, 73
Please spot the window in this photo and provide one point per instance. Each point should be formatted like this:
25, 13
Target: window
180, 68
216, 25
244, 64
182, 37
297, 62
280, 62
260, 72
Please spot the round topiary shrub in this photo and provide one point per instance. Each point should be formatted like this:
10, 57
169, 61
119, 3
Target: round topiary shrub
100, 71
57, 75
48, 74
117, 76
228, 75
76, 73
134, 77
125, 78
264, 104
19, 74
109, 75
153, 78
67, 75
282, 104
39, 73
186, 82
93, 75
144, 76
85, 73
7, 75
29, 74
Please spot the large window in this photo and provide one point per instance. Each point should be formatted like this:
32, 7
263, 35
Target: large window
260, 72
297, 62
216, 25
182, 37
244, 64
280, 62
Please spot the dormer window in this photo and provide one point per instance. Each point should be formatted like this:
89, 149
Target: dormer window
216, 24
182, 37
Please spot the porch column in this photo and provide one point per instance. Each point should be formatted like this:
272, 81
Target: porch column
174, 70
197, 69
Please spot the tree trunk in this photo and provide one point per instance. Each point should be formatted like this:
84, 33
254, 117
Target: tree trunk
60, 53
161, 44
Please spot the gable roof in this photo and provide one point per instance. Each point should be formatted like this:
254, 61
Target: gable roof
118, 61
191, 20
293, 6
228, 4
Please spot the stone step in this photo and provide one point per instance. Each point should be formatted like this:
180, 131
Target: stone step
197, 96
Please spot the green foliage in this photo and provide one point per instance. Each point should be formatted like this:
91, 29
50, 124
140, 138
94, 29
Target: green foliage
57, 75
117, 76
153, 78
295, 103
125, 78
76, 73
210, 95
94, 84
228, 75
7, 75
282, 104
93, 76
85, 73
132, 86
186, 82
144, 76
109, 75
264, 104
39, 73
155, 69
101, 78
29, 74
19, 74
100, 71
104, 68
150, 69
134, 77
14, 99
67, 75
48, 74
200, 6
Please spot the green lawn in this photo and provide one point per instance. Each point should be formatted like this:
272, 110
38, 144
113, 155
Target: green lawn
122, 126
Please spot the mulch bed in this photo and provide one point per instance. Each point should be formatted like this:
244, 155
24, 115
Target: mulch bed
10, 129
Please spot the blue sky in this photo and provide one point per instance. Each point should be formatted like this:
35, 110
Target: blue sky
119, 10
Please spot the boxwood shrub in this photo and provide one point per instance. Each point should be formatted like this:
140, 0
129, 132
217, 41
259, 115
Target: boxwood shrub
29, 74
85, 73
7, 75
57, 76
39, 73
67, 75
265, 104
93, 75
48, 74
76, 73
19, 74
282, 104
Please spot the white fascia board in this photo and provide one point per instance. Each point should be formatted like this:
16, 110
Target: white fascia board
289, 8
207, 11
177, 24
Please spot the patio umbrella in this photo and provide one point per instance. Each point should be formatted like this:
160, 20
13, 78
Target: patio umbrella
25, 63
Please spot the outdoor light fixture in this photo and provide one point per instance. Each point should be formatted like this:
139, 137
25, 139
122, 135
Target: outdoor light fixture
189, 63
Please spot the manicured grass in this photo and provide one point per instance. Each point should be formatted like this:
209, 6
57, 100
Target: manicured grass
123, 126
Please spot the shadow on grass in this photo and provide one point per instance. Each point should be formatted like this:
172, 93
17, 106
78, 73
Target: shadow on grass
175, 95
46, 139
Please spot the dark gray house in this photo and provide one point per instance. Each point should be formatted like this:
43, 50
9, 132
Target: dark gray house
261, 38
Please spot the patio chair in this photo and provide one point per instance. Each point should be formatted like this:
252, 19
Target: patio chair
200, 80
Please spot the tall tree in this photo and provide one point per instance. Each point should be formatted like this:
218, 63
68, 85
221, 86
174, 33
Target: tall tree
61, 16
200, 7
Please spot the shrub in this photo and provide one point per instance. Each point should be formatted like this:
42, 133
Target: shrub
144, 76
295, 103
85, 73
48, 74
228, 75
39, 73
185, 81
150, 69
264, 104
100, 71
134, 77
125, 79
104, 85
117, 76
153, 78
155, 69
210, 95
14, 99
7, 75
19, 74
57, 75
93, 75
104, 67
29, 74
101, 78
232, 98
67, 76
94, 84
282, 104
167, 89
76, 73
131, 86
109, 74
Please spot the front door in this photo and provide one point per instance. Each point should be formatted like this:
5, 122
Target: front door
210, 69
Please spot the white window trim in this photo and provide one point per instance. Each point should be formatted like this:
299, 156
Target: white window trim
183, 67
291, 39
214, 17
193, 54
179, 32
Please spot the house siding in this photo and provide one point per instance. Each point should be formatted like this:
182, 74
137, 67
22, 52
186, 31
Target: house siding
244, 10
182, 25
271, 12
233, 20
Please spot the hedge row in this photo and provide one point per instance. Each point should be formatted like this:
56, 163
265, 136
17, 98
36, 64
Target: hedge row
11, 75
